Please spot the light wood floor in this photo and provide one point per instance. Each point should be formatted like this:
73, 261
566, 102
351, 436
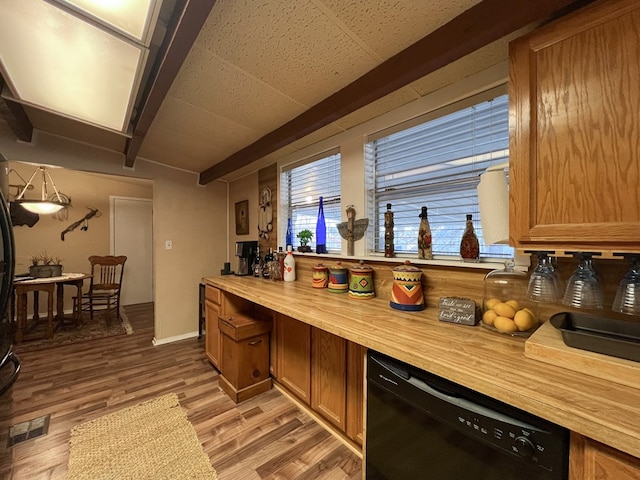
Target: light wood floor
265, 437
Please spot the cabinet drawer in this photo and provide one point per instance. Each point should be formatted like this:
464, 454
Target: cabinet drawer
213, 294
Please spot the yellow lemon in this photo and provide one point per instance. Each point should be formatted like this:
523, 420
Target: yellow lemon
492, 302
505, 325
514, 304
489, 316
504, 310
524, 320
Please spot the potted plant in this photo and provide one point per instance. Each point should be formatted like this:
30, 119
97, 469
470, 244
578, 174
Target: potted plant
44, 265
305, 237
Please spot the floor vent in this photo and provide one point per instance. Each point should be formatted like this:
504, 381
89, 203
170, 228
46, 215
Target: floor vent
24, 431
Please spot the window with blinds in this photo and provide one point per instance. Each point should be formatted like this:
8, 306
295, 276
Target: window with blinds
301, 187
437, 163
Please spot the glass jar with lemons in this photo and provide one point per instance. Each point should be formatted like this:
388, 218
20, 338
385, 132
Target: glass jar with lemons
506, 308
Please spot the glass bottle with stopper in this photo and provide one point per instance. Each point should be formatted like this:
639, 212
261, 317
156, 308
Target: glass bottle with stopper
388, 233
424, 237
321, 231
469, 245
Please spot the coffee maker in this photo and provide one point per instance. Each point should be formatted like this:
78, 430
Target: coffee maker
246, 253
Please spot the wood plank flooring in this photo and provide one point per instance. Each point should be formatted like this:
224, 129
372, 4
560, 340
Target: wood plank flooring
267, 436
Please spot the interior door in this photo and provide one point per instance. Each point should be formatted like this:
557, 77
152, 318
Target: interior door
132, 235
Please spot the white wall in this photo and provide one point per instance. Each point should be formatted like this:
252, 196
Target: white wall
244, 189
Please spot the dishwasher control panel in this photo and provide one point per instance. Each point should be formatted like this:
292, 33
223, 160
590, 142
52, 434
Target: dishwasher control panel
517, 439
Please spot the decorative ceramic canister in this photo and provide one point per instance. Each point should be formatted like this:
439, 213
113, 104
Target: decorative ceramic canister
406, 293
361, 284
320, 276
338, 279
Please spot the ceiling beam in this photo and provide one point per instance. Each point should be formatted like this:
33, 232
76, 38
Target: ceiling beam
16, 117
173, 53
482, 24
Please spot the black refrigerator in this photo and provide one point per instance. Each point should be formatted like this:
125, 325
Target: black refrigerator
9, 362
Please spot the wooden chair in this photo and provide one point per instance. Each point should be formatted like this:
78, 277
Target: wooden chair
105, 287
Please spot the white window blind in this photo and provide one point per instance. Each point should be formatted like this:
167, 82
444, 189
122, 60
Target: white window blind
437, 164
301, 188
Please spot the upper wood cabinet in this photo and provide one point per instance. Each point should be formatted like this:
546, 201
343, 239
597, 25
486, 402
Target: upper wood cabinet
575, 131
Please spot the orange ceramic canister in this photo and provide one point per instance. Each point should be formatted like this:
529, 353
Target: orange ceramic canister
320, 276
406, 293
361, 283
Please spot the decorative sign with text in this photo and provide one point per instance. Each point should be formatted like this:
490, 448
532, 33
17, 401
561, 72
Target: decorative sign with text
457, 310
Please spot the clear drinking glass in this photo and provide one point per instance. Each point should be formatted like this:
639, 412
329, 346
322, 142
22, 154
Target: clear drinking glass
628, 295
583, 288
544, 283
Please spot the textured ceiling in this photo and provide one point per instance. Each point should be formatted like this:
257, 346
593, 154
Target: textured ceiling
257, 64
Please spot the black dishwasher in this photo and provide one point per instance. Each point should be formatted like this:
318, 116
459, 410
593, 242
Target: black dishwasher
421, 426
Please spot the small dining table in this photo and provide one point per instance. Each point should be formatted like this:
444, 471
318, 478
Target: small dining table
36, 285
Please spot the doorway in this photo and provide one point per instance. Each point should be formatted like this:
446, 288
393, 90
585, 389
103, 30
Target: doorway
132, 235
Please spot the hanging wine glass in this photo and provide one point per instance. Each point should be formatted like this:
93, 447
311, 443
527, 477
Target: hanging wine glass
544, 284
628, 295
583, 288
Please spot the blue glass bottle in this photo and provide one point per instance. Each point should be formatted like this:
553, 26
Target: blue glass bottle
321, 231
289, 237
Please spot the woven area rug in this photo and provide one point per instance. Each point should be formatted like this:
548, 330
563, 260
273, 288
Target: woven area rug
150, 441
90, 330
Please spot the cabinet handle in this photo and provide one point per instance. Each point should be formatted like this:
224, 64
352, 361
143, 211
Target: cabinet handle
255, 342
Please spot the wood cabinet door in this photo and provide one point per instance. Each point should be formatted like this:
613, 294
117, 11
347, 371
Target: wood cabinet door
294, 354
355, 392
328, 376
212, 333
575, 131
591, 460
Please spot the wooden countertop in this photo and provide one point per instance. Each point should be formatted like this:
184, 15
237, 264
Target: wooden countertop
488, 362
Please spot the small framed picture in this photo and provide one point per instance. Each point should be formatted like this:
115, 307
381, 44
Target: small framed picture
242, 217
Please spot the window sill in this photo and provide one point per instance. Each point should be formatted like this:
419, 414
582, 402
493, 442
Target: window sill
522, 261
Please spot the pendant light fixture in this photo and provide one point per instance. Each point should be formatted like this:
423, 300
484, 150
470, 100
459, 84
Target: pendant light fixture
43, 206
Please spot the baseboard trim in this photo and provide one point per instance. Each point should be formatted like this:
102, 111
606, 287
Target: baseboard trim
162, 341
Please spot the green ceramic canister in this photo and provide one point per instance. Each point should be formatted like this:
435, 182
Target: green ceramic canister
361, 284
338, 279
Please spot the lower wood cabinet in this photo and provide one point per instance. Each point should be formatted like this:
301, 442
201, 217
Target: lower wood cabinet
322, 370
293, 356
355, 392
218, 303
591, 460
329, 376
213, 309
244, 355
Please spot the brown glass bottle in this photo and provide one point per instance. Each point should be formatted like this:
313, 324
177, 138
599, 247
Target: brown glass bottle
388, 232
424, 237
469, 245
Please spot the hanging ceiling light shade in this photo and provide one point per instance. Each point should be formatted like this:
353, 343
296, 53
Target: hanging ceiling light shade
43, 206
